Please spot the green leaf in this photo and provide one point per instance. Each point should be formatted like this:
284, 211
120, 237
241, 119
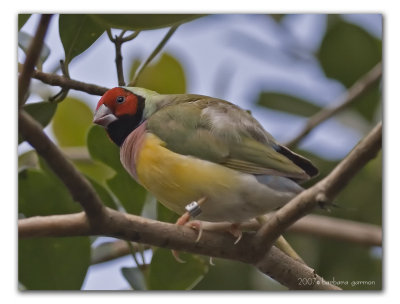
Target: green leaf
102, 192
77, 32
130, 194
53, 263
347, 52
40, 193
287, 103
277, 17
95, 170
49, 263
22, 19
42, 112
368, 103
136, 22
166, 215
101, 148
185, 275
24, 41
219, 277
134, 277
71, 122
166, 76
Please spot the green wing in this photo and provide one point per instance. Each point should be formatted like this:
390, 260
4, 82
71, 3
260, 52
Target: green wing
218, 131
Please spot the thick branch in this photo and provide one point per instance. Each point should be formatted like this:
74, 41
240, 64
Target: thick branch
292, 272
134, 228
315, 225
80, 189
32, 56
357, 90
64, 82
321, 193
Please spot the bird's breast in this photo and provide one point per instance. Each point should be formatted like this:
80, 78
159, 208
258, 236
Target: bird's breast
176, 180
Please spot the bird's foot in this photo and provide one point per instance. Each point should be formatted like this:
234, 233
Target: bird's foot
192, 210
183, 220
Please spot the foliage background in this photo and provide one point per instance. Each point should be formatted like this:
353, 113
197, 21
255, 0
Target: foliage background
282, 68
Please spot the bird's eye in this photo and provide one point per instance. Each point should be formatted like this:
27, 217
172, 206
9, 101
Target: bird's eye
120, 99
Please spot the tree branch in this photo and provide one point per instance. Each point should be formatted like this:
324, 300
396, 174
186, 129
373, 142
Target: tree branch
64, 82
80, 189
137, 229
339, 229
32, 56
357, 90
118, 41
320, 226
320, 194
115, 249
314, 225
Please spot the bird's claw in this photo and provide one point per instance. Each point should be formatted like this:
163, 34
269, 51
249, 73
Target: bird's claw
175, 254
197, 226
236, 232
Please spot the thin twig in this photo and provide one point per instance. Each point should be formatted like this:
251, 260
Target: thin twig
130, 37
357, 90
60, 96
112, 250
32, 56
64, 82
153, 54
80, 189
320, 194
339, 229
118, 41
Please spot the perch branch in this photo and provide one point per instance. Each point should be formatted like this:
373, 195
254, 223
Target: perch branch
32, 56
321, 193
314, 225
137, 229
357, 90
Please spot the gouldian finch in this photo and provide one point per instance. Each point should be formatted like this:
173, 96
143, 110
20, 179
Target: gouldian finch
187, 148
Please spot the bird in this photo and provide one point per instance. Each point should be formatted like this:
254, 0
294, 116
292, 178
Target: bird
201, 157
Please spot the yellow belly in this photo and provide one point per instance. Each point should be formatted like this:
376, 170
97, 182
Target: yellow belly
176, 180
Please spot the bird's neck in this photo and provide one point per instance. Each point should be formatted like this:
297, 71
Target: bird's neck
119, 130
130, 149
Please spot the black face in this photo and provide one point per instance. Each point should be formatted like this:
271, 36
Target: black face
119, 130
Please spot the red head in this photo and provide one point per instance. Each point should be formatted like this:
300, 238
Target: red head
120, 112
